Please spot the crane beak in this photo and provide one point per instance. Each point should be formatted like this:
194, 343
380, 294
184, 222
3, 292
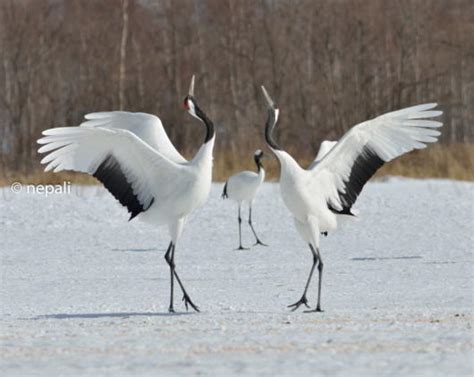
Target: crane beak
191, 87
269, 101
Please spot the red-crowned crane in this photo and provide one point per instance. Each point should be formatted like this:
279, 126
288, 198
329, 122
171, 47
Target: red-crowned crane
242, 187
131, 154
328, 188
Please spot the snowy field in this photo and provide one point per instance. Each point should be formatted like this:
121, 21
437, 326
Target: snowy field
84, 292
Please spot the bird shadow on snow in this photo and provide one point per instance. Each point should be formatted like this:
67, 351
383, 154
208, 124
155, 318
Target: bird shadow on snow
386, 258
137, 250
106, 315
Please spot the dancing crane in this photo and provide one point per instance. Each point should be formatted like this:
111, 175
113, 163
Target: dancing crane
131, 154
328, 188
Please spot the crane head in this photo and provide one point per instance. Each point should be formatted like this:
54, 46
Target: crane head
259, 155
271, 105
189, 101
191, 105
272, 119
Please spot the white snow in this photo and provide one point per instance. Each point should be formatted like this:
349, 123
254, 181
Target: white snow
84, 292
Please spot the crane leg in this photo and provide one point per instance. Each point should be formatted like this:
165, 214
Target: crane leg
240, 232
257, 242
303, 300
320, 281
169, 257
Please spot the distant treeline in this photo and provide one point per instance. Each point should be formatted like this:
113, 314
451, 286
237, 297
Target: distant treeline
329, 65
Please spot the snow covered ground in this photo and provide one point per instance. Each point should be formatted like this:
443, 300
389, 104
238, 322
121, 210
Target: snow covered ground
84, 292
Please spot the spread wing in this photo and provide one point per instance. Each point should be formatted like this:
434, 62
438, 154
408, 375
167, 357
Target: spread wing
134, 173
147, 127
324, 149
343, 172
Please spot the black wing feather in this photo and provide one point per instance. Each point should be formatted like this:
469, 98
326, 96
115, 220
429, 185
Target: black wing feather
111, 175
364, 167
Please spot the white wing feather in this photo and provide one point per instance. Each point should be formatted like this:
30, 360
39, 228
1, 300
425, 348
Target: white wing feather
147, 127
367, 146
324, 149
150, 174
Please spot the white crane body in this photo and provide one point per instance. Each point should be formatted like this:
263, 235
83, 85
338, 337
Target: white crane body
131, 154
243, 187
329, 187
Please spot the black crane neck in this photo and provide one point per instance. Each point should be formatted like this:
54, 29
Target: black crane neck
269, 127
207, 122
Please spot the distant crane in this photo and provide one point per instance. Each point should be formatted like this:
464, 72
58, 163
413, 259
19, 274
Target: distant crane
131, 154
316, 196
243, 187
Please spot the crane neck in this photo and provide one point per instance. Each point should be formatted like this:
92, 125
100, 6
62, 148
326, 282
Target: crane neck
207, 122
287, 163
269, 127
258, 163
203, 157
